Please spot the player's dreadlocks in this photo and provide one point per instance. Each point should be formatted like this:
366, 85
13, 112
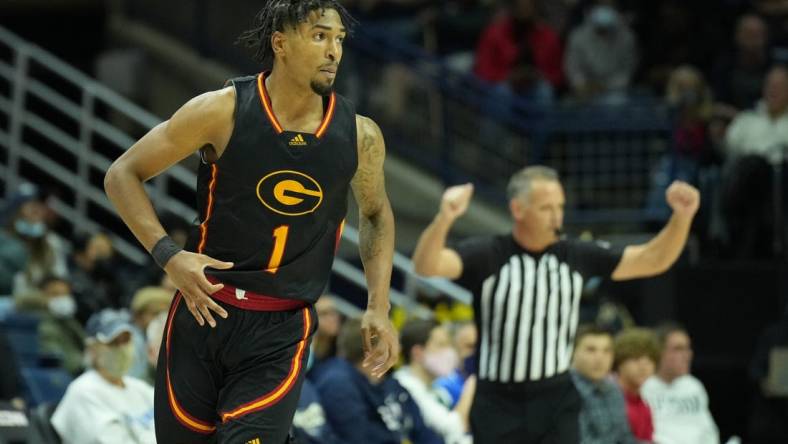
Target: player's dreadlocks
278, 14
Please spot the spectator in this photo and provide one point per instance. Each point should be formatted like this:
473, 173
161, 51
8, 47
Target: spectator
324, 342
429, 354
13, 258
147, 304
776, 13
449, 388
456, 27
309, 423
739, 74
104, 405
755, 140
747, 208
601, 56
361, 408
678, 400
13, 251
690, 99
764, 131
59, 332
636, 356
44, 252
769, 406
521, 53
603, 418
153, 335
694, 152
465, 338
97, 274
10, 383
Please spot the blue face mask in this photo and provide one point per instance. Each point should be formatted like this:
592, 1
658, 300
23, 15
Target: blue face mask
32, 230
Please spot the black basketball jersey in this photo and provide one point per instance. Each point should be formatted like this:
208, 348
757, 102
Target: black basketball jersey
275, 201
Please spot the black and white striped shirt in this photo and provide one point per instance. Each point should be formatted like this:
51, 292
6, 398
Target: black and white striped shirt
526, 305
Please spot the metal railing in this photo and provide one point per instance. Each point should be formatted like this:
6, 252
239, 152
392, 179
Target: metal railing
468, 130
59, 128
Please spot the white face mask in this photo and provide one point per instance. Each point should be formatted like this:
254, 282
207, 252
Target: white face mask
115, 360
441, 362
62, 306
33, 230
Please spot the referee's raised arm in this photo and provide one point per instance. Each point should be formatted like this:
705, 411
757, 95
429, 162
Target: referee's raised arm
658, 255
431, 257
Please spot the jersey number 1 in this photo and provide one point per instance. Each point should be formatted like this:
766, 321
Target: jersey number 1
280, 240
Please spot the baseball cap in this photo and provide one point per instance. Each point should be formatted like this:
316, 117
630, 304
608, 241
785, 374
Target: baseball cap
156, 298
107, 325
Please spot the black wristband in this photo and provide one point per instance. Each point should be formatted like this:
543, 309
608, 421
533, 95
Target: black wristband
164, 250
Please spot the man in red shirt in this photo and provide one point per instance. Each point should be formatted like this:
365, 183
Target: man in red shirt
520, 50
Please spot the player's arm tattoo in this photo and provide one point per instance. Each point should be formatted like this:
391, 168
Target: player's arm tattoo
376, 220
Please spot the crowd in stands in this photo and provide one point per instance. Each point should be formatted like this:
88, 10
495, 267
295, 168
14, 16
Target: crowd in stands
719, 69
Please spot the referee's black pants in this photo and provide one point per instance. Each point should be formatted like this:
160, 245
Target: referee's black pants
543, 412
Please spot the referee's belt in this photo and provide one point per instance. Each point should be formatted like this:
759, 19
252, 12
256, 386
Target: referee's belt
249, 300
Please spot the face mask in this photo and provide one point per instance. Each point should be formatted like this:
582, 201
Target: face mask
62, 306
441, 363
116, 361
603, 18
33, 230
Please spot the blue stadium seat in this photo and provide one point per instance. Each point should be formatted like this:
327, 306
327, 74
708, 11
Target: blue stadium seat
45, 384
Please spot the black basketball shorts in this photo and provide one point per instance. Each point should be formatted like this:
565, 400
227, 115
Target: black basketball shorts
236, 383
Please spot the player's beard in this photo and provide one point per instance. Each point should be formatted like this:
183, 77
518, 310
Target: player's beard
323, 89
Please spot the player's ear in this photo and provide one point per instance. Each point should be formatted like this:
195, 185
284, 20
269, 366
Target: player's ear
278, 41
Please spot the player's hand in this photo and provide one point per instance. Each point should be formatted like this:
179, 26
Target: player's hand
683, 198
381, 343
187, 271
455, 200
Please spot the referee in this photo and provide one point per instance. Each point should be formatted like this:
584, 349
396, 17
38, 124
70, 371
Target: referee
527, 287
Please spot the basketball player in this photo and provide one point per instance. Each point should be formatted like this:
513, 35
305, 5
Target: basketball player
279, 153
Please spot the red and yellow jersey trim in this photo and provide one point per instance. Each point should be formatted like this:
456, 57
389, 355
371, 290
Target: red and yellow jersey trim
209, 210
180, 413
284, 387
268, 108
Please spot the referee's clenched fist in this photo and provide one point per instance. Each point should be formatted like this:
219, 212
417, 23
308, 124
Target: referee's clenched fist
683, 198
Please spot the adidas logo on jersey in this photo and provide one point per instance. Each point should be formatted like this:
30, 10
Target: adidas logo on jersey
298, 140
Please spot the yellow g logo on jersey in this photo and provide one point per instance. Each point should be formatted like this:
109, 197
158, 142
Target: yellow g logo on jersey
289, 193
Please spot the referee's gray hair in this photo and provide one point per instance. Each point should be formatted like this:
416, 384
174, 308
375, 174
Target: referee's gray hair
520, 183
